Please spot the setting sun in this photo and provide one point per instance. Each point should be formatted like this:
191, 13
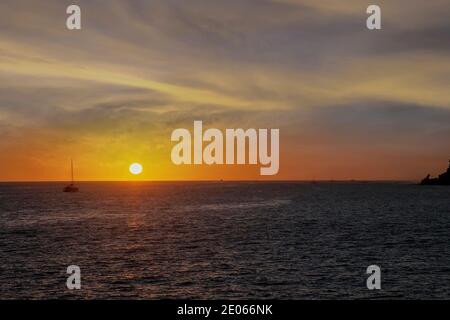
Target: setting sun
136, 168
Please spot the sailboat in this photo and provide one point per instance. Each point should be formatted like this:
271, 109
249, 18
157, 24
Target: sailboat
71, 187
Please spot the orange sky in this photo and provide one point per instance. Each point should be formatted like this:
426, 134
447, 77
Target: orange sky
350, 103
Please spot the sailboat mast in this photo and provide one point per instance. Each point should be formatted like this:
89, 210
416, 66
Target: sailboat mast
71, 166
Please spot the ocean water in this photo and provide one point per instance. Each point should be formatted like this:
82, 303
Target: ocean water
225, 240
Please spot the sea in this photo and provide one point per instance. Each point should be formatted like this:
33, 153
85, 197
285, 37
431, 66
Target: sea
225, 240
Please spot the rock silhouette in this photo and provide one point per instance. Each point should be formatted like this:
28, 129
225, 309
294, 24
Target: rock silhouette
442, 180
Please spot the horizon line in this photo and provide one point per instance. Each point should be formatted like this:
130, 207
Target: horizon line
217, 180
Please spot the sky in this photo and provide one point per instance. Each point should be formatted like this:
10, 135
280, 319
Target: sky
350, 103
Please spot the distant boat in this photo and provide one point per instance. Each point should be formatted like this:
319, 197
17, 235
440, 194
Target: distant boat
71, 187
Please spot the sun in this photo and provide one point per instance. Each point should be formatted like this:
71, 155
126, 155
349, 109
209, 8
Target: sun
136, 168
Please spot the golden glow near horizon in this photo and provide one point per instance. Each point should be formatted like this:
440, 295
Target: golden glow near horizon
350, 103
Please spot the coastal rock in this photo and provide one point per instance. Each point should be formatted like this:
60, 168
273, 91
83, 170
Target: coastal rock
443, 179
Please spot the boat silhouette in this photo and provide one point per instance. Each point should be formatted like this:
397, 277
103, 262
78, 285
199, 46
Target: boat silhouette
71, 187
442, 180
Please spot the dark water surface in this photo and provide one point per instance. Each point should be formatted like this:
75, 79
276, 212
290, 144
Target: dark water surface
224, 240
